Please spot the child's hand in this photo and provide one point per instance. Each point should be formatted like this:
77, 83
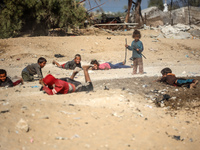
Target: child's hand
126, 45
137, 49
41, 82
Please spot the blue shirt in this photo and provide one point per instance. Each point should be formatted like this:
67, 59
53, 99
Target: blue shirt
134, 46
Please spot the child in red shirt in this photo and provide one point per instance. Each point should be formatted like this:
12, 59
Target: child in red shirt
52, 86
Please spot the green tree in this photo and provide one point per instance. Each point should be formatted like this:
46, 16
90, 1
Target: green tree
157, 3
18, 15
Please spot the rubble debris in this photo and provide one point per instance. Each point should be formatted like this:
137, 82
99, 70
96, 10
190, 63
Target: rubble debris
4, 111
23, 125
58, 55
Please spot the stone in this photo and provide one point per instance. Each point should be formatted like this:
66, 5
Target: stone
45, 117
23, 125
61, 138
4, 111
195, 33
144, 86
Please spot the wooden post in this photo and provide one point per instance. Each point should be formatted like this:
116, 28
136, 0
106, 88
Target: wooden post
171, 20
189, 12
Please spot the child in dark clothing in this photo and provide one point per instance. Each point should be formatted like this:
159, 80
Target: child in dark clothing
33, 69
70, 64
6, 81
171, 79
52, 86
107, 65
136, 48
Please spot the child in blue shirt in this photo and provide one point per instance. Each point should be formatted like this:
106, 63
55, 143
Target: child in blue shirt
136, 48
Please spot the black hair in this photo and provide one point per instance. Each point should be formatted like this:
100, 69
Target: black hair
165, 71
41, 60
77, 55
135, 33
2, 71
94, 61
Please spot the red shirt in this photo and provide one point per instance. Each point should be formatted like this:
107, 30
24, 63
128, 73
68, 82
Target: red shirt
56, 86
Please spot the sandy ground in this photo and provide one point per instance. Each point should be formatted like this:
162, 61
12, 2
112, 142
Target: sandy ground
123, 117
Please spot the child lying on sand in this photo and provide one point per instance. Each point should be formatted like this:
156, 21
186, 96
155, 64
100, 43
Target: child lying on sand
52, 86
6, 81
107, 66
76, 62
171, 79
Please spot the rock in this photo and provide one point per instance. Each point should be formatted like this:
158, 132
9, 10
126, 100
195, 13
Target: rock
175, 32
162, 105
182, 27
58, 55
4, 111
178, 138
61, 138
75, 136
144, 86
184, 72
23, 125
173, 98
45, 117
106, 88
195, 33
160, 36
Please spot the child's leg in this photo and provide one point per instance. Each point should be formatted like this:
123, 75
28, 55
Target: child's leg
135, 64
89, 86
76, 70
18, 82
140, 63
57, 64
120, 65
193, 85
27, 77
87, 76
184, 81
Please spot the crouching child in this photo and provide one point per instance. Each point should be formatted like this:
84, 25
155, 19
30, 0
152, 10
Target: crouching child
33, 69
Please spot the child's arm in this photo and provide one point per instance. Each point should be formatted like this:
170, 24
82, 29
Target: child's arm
130, 48
140, 47
39, 72
162, 79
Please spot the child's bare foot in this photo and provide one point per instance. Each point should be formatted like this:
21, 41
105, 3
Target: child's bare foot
77, 69
53, 62
124, 62
193, 85
86, 67
133, 73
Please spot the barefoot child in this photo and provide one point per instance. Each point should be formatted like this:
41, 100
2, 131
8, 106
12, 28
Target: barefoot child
70, 64
33, 69
6, 81
136, 48
107, 66
52, 86
171, 79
